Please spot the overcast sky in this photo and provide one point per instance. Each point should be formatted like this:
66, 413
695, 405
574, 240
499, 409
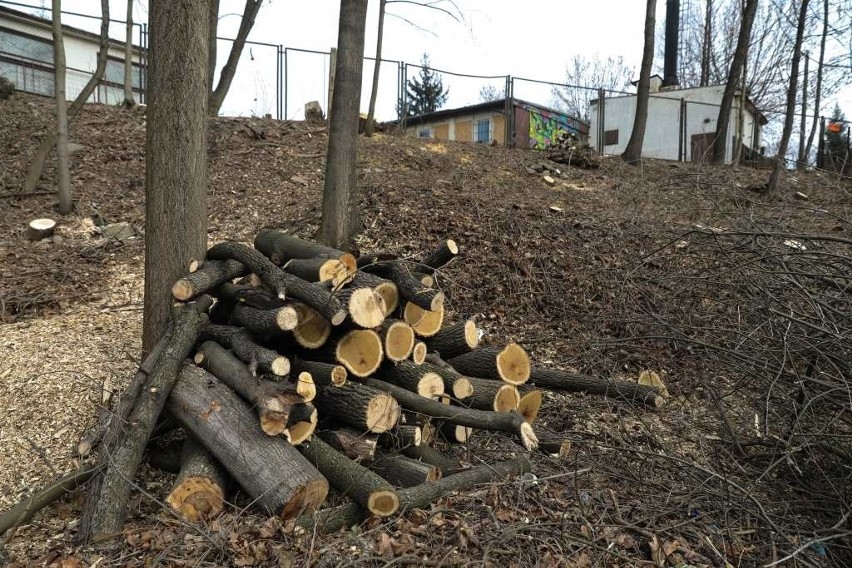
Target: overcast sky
532, 39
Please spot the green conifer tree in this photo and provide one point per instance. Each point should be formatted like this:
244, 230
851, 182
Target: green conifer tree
424, 93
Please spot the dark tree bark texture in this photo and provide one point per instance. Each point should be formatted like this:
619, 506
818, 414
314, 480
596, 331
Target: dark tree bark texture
633, 153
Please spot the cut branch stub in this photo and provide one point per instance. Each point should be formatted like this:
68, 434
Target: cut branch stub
557, 379
199, 492
454, 340
360, 406
510, 364
211, 274
426, 323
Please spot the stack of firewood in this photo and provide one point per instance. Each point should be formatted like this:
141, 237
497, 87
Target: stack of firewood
295, 367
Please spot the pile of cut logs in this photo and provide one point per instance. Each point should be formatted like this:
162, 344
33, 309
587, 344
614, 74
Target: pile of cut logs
292, 367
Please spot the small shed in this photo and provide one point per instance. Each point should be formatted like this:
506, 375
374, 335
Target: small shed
531, 125
26, 59
681, 123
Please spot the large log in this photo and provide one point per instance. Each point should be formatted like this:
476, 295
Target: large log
402, 471
364, 408
281, 282
386, 288
397, 338
408, 284
269, 469
318, 269
359, 350
324, 374
454, 382
510, 363
454, 340
492, 395
265, 323
199, 492
281, 247
557, 379
355, 481
413, 378
418, 497
257, 357
426, 323
353, 444
210, 275
511, 422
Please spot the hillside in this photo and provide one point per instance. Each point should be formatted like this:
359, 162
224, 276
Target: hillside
672, 267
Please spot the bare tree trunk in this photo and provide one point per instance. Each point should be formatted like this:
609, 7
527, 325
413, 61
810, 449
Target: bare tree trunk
176, 154
129, 101
211, 39
368, 129
49, 140
791, 99
818, 93
340, 216
633, 153
801, 162
217, 96
63, 177
720, 143
707, 45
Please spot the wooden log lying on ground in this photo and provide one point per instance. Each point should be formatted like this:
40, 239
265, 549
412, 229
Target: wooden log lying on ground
413, 378
439, 257
280, 282
324, 374
269, 469
318, 269
428, 454
402, 436
454, 383
454, 340
489, 394
281, 247
254, 296
454, 433
265, 322
199, 492
529, 405
511, 422
257, 357
402, 471
363, 486
353, 444
418, 497
210, 275
556, 379
364, 408
510, 363
359, 350
426, 323
386, 288
397, 338
408, 284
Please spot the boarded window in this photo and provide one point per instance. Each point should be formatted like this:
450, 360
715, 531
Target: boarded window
483, 131
610, 137
424, 133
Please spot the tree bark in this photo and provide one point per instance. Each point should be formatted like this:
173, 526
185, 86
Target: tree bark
439, 257
556, 379
510, 363
454, 340
199, 492
253, 296
359, 406
217, 96
212, 42
413, 378
265, 323
353, 444
176, 154
257, 357
401, 437
403, 471
63, 175
720, 143
374, 91
633, 152
493, 395
340, 209
281, 247
781, 158
208, 276
279, 479
324, 374
129, 100
460, 387
820, 65
409, 285
430, 455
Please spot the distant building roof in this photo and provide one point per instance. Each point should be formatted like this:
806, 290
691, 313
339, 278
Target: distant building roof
495, 105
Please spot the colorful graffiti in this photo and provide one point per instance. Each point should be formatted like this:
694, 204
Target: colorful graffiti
546, 128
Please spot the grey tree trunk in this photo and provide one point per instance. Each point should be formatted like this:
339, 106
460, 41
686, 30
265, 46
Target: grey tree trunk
802, 158
707, 45
129, 101
63, 176
633, 153
217, 96
340, 215
176, 154
791, 99
368, 129
211, 38
720, 143
818, 93
49, 140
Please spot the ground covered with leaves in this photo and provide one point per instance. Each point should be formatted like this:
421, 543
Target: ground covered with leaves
738, 299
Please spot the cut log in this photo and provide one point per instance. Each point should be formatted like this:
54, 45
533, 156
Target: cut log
439, 257
493, 395
365, 408
281, 247
402, 471
323, 374
301, 423
454, 433
553, 444
313, 333
511, 422
398, 339
269, 469
199, 492
529, 405
455, 383
352, 479
266, 323
386, 288
425, 323
281, 282
413, 378
353, 444
418, 354
557, 379
430, 455
418, 497
39, 229
401, 437
210, 275
318, 269
257, 357
254, 296
359, 350
305, 386
364, 306
454, 340
408, 285
510, 364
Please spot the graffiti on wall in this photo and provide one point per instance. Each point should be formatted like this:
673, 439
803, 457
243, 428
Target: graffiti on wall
546, 128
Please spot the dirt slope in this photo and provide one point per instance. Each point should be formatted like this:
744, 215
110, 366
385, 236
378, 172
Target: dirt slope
639, 486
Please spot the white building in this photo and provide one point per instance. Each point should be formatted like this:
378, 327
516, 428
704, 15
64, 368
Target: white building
26, 59
681, 124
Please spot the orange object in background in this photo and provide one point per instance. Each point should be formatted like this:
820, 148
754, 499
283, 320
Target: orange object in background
834, 127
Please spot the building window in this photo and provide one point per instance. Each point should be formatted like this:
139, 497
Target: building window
424, 133
22, 46
114, 74
483, 131
610, 137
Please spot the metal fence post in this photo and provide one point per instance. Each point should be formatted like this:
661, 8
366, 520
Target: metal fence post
286, 114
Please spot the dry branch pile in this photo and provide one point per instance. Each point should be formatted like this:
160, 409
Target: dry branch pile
293, 367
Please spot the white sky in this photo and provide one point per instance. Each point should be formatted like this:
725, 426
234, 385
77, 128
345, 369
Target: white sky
533, 39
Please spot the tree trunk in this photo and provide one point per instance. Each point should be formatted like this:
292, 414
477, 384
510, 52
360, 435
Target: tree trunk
212, 42
129, 100
199, 492
706, 44
820, 64
62, 174
176, 154
633, 152
340, 213
49, 140
217, 96
374, 92
780, 159
720, 143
